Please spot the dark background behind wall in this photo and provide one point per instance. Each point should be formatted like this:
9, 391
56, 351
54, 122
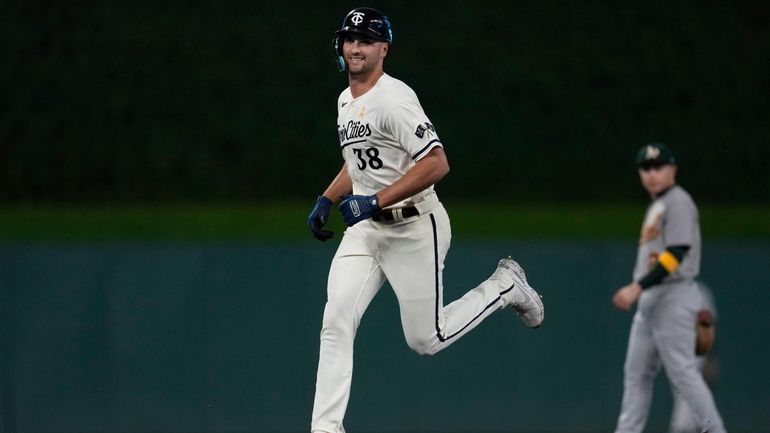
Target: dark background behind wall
201, 100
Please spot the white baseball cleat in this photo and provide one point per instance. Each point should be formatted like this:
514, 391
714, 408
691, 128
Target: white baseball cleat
524, 299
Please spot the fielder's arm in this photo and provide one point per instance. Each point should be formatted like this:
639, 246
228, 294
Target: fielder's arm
668, 261
426, 172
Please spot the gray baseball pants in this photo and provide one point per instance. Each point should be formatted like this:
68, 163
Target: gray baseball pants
663, 332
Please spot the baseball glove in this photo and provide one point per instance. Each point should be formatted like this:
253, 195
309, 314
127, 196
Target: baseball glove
705, 333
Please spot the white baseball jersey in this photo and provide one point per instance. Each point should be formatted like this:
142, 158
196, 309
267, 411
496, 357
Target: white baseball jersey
383, 133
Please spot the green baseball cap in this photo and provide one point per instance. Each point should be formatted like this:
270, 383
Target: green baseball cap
654, 154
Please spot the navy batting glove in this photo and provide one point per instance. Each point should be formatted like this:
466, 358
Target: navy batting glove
318, 218
356, 208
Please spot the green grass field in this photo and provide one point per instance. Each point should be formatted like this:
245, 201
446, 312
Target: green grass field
286, 221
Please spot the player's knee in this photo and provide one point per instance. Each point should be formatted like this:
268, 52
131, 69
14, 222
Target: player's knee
636, 376
423, 346
686, 378
423, 349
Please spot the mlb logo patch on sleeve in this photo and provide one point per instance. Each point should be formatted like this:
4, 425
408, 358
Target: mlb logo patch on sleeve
423, 128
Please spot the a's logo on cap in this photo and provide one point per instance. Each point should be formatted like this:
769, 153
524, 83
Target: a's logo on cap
357, 18
652, 152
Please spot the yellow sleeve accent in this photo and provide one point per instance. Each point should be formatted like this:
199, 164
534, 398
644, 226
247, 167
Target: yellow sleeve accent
668, 261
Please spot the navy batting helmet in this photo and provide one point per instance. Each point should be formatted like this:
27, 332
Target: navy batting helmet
362, 21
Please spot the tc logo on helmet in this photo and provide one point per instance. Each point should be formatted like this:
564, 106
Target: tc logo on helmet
357, 18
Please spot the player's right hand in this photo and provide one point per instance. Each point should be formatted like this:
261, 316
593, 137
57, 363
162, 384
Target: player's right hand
318, 218
626, 296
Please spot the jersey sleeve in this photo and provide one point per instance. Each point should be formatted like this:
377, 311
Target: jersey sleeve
412, 129
679, 225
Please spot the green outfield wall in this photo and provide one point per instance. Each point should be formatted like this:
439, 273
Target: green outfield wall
205, 337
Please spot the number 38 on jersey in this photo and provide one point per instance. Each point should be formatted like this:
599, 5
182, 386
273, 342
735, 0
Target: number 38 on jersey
368, 157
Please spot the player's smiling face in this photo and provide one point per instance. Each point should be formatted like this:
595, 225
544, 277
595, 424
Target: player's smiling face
656, 179
363, 55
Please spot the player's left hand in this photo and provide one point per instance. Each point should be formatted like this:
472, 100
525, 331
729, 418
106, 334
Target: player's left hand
357, 208
705, 333
318, 218
626, 296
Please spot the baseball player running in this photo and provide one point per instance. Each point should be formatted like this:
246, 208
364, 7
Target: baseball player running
398, 229
663, 328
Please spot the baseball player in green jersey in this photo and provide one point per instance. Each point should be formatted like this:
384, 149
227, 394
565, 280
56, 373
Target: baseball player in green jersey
663, 327
398, 229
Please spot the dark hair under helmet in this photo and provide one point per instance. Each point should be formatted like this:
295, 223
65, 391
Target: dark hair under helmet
363, 21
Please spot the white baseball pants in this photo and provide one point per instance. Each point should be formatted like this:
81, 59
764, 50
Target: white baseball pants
410, 255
